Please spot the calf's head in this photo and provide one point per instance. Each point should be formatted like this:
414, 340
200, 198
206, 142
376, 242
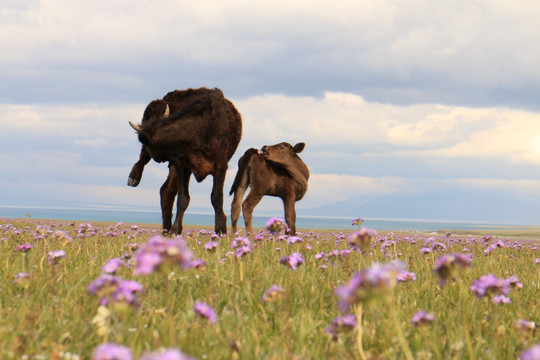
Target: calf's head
282, 153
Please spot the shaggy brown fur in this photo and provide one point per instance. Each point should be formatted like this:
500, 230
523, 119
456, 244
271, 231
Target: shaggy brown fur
197, 131
275, 170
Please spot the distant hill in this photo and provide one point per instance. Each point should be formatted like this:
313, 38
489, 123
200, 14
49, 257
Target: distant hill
457, 205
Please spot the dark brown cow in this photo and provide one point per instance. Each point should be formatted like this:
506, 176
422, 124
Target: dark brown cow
196, 131
274, 170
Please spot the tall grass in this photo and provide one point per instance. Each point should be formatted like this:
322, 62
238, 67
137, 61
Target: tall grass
50, 315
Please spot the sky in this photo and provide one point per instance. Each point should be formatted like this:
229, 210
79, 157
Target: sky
394, 100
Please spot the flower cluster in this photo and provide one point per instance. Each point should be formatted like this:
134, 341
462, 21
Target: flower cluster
114, 289
274, 294
205, 311
491, 285
293, 261
421, 318
371, 284
112, 351
24, 248
54, 256
362, 238
341, 324
275, 225
159, 251
446, 266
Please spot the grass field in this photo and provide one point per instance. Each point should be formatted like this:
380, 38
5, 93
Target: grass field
314, 296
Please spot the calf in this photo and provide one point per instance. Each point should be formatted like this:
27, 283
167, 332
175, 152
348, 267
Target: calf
274, 170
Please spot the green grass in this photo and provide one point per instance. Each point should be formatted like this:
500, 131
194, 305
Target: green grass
51, 315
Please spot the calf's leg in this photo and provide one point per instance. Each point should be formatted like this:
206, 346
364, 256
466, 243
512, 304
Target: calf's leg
290, 214
248, 205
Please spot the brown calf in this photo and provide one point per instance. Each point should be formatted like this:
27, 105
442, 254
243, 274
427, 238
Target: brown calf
274, 170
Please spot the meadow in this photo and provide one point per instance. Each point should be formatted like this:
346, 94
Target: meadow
122, 291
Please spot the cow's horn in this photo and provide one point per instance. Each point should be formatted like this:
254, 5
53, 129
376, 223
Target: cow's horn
166, 114
136, 127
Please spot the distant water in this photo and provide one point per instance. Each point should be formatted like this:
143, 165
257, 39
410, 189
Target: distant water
306, 223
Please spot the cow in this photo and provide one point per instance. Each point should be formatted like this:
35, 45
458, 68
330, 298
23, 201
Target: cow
274, 170
197, 132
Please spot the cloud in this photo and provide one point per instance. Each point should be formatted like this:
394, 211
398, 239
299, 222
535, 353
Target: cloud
475, 53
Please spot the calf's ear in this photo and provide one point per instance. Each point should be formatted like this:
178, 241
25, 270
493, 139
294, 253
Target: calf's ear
299, 147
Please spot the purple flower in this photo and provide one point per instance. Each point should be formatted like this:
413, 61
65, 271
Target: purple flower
240, 241
242, 251
294, 260
167, 354
404, 276
294, 240
537, 261
490, 285
274, 294
362, 238
358, 221
425, 250
341, 324
21, 278
112, 351
115, 289
24, 247
147, 262
211, 245
501, 299
205, 311
438, 246
199, 264
514, 282
446, 266
421, 318
159, 251
55, 256
112, 265
275, 225
376, 282
532, 353
126, 292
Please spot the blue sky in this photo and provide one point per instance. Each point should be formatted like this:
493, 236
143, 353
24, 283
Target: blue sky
392, 98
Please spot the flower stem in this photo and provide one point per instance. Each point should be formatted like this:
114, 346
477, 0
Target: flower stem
358, 311
401, 337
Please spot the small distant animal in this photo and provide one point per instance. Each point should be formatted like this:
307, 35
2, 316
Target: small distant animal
197, 131
275, 170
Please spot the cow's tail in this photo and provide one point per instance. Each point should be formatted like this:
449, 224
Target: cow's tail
242, 175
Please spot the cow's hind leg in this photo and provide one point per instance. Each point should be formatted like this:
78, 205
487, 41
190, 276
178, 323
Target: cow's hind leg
216, 198
248, 205
167, 194
183, 175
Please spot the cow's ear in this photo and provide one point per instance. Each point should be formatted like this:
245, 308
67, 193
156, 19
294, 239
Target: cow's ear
299, 147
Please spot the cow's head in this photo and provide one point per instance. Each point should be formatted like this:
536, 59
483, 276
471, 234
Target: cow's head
150, 129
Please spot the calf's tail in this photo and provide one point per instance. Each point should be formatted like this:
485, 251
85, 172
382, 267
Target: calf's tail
242, 169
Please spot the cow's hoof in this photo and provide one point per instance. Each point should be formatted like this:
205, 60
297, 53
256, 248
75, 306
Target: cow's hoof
132, 182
